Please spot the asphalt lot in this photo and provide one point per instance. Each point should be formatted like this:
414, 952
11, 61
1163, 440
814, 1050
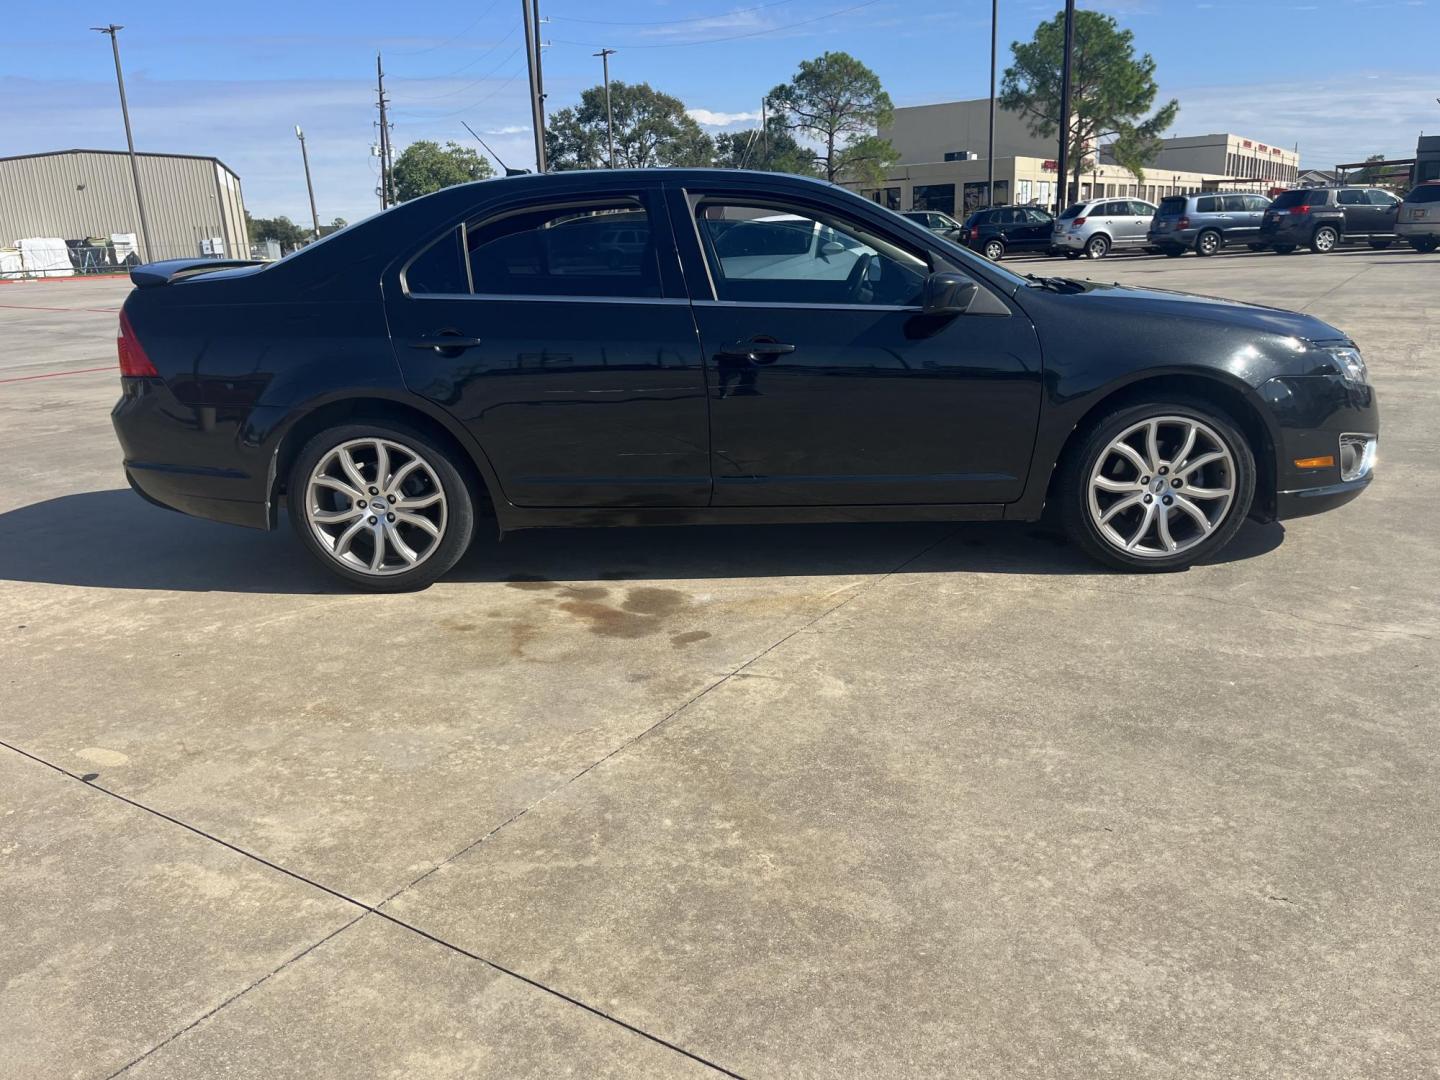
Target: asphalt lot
842, 801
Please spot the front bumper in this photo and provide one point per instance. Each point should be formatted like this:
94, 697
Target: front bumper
1311, 413
1303, 502
190, 458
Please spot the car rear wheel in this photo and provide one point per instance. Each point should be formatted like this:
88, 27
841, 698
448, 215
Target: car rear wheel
1098, 246
1207, 243
994, 250
1157, 486
1380, 245
380, 505
1324, 240
1425, 244
1173, 252
1284, 249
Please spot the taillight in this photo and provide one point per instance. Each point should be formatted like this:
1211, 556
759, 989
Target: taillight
134, 364
1183, 223
1302, 209
974, 232
1078, 221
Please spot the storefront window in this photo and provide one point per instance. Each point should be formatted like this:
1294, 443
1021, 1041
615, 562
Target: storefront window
1022, 192
934, 197
887, 197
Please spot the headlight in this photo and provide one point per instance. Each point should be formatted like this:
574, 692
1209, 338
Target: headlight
1350, 362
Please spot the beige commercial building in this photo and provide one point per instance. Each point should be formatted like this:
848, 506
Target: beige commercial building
942, 163
193, 203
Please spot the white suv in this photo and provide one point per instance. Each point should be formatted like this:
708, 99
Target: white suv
1093, 228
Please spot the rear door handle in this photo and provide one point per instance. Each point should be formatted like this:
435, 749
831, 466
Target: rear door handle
445, 342
759, 351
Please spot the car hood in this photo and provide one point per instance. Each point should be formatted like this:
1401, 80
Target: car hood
1191, 306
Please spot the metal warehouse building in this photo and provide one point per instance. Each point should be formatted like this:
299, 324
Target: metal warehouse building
193, 203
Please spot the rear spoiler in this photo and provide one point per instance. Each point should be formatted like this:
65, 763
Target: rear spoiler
162, 273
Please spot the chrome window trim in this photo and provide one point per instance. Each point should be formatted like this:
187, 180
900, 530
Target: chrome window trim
537, 297
806, 306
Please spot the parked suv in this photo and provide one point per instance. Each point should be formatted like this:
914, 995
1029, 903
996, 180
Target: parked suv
1206, 222
998, 230
934, 220
1093, 228
1419, 220
1321, 218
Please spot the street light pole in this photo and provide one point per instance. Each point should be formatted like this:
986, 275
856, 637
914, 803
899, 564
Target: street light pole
605, 55
1064, 162
112, 30
990, 152
305, 156
532, 57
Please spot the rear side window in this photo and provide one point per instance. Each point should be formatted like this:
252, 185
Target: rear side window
1073, 211
1208, 204
601, 249
1317, 198
1173, 206
1425, 193
1351, 197
440, 268
1233, 203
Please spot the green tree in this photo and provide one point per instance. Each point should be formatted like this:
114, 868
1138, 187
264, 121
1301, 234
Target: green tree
280, 229
839, 102
651, 128
773, 150
1373, 170
425, 167
1111, 91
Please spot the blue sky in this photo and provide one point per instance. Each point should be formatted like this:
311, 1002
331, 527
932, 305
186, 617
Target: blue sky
1342, 78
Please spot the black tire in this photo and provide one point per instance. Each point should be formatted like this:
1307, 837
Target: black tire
1381, 245
1425, 244
1072, 254
1208, 243
1324, 240
1098, 246
1284, 249
1173, 252
993, 249
456, 520
1073, 495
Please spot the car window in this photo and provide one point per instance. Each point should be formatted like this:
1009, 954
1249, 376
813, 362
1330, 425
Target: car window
1141, 209
1352, 197
1381, 198
791, 256
1317, 198
1208, 204
600, 249
1286, 199
1037, 217
1073, 211
1233, 203
1256, 202
1173, 205
440, 268
1425, 193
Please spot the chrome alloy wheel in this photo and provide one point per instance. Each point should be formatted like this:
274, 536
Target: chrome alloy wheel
1161, 486
376, 506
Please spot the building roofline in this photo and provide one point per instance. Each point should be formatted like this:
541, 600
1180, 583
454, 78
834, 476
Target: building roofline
138, 153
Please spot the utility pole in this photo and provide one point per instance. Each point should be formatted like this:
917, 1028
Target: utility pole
305, 156
765, 127
532, 58
1064, 162
990, 152
387, 190
113, 31
605, 55
539, 62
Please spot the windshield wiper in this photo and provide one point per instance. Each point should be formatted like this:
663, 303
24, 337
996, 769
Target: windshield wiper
1058, 284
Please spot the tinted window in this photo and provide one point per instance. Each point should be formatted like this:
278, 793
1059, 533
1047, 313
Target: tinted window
1173, 206
1286, 199
1317, 198
797, 258
1233, 203
598, 250
1425, 193
1351, 197
1208, 204
1073, 211
1381, 198
440, 268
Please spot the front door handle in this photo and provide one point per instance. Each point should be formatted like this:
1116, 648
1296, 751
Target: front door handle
759, 350
443, 343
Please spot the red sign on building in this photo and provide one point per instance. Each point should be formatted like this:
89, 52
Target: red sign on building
1049, 166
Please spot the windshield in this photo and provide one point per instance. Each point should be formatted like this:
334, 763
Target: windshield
1173, 205
1073, 211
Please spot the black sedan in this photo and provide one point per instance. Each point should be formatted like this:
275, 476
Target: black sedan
679, 346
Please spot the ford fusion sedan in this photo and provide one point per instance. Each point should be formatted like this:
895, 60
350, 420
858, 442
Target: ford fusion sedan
685, 346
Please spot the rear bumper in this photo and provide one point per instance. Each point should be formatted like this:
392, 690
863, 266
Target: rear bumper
1181, 238
190, 458
1067, 241
1407, 230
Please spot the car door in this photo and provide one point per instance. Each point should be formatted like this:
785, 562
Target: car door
1386, 208
1359, 214
828, 387
561, 337
1239, 223
1035, 233
1141, 214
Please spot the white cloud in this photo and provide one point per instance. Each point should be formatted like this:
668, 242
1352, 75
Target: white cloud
712, 118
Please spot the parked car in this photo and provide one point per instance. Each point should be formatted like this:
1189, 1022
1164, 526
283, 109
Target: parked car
934, 220
1323, 218
1419, 218
383, 383
1205, 223
997, 231
1096, 227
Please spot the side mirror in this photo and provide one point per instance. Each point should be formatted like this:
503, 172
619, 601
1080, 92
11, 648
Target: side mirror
948, 293
831, 247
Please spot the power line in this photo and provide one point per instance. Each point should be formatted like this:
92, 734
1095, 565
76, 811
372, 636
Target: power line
728, 37
670, 22
465, 66
471, 85
453, 37
473, 105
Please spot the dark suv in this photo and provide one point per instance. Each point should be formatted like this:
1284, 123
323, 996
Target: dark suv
1321, 218
1000, 229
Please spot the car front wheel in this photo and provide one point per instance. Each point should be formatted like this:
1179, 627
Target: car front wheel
380, 505
1157, 486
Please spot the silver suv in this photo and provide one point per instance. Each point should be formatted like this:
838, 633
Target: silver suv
1419, 220
1093, 228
